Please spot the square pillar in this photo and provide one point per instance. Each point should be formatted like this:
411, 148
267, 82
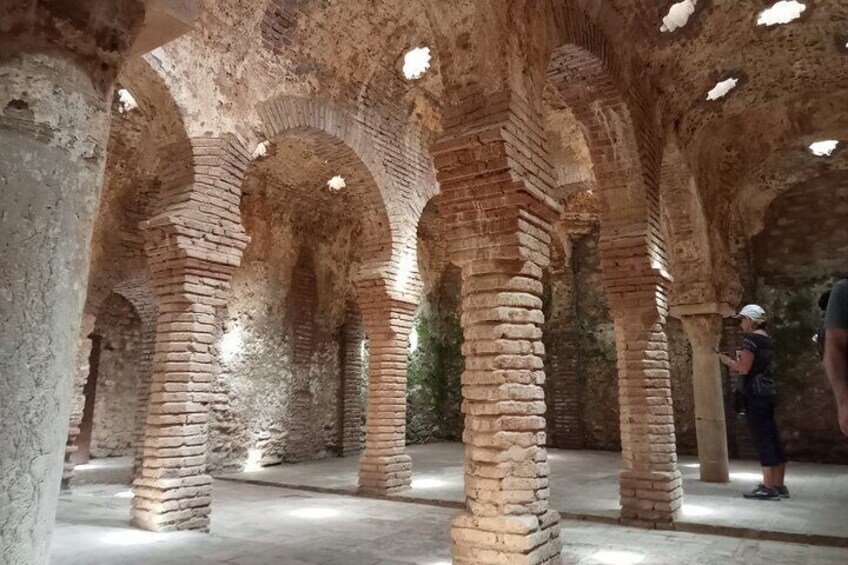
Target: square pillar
703, 326
651, 487
495, 180
385, 467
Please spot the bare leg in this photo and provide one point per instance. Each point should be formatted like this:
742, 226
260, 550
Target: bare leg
779, 473
769, 476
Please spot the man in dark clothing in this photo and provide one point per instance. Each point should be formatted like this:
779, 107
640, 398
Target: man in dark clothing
836, 348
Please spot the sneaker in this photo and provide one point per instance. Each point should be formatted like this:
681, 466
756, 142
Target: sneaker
783, 491
762, 492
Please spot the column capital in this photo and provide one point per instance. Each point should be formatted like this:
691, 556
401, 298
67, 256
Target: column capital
96, 35
682, 311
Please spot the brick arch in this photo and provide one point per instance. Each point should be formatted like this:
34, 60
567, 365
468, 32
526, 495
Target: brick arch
621, 127
782, 170
623, 146
398, 165
155, 100
324, 156
433, 250
685, 227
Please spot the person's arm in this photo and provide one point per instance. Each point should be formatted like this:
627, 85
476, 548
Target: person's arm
836, 349
741, 365
836, 367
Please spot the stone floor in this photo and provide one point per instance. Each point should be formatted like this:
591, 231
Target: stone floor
584, 484
255, 525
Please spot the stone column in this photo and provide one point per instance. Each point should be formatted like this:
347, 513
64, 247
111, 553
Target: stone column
495, 178
651, 486
57, 70
703, 326
385, 467
194, 244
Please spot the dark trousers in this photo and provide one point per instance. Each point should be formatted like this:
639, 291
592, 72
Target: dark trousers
759, 412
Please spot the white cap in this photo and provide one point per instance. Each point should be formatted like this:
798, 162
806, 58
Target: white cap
753, 312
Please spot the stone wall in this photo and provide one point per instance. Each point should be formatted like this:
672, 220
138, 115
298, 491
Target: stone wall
434, 390
119, 328
275, 393
597, 409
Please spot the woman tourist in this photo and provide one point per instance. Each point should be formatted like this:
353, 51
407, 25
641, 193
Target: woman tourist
754, 363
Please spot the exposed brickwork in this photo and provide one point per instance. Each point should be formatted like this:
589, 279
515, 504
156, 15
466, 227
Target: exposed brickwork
387, 284
350, 404
625, 145
562, 362
495, 180
398, 163
304, 441
384, 466
194, 244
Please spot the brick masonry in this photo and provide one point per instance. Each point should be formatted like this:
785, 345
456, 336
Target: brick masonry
623, 139
350, 405
194, 243
495, 180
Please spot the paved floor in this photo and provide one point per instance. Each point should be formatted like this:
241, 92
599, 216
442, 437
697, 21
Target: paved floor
255, 525
584, 483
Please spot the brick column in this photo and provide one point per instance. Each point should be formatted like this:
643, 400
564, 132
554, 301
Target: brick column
703, 327
385, 467
651, 485
494, 177
565, 428
194, 244
145, 371
350, 404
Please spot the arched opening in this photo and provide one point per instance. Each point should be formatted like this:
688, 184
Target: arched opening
435, 351
290, 348
622, 344
106, 439
118, 264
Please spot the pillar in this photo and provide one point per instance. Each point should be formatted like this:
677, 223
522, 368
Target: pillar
193, 244
350, 404
651, 487
495, 179
57, 73
703, 327
385, 467
562, 367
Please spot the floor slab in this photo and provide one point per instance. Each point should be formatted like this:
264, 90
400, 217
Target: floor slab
256, 525
585, 484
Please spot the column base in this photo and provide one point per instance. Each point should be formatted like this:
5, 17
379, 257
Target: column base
385, 475
167, 505
714, 472
506, 540
650, 498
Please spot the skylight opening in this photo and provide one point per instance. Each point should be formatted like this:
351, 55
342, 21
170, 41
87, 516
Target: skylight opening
126, 101
721, 88
823, 148
678, 15
780, 13
416, 62
336, 183
261, 150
